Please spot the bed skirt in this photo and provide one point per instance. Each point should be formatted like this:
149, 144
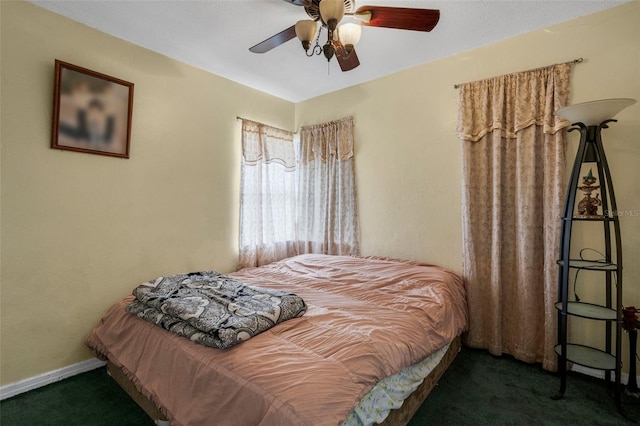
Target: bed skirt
397, 417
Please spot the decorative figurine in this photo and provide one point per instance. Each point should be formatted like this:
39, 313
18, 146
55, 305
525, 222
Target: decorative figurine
589, 206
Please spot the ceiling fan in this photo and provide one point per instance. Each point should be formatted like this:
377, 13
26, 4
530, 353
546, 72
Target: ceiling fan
341, 40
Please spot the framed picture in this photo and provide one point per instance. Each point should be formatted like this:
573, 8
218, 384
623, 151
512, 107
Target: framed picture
91, 112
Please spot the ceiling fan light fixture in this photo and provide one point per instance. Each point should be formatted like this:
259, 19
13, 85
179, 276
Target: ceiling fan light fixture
349, 35
331, 12
328, 51
340, 42
306, 31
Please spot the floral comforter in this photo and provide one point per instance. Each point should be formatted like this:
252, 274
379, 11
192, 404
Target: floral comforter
213, 309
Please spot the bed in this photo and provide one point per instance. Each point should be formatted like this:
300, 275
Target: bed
368, 320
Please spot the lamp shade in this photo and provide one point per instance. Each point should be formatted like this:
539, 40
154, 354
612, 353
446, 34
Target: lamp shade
306, 29
594, 112
331, 9
349, 34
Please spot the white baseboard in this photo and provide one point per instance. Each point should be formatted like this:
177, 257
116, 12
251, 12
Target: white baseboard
624, 378
13, 389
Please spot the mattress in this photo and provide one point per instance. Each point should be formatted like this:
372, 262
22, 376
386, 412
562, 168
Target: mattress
387, 404
367, 319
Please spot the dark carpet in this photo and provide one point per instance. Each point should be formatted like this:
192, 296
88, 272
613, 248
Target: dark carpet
478, 389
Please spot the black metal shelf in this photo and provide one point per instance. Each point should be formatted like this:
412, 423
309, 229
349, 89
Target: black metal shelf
597, 218
589, 311
589, 209
592, 265
588, 357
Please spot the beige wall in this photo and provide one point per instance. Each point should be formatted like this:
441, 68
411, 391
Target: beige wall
408, 161
80, 230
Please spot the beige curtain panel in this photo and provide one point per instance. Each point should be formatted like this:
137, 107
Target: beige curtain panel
262, 143
327, 205
292, 205
513, 191
267, 195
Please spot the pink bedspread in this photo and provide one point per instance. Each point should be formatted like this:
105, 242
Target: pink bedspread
367, 319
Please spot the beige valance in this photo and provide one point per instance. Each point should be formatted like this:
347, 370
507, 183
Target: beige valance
321, 141
269, 144
512, 102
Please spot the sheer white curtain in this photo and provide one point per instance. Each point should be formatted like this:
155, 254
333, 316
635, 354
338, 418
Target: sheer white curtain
267, 195
327, 208
513, 189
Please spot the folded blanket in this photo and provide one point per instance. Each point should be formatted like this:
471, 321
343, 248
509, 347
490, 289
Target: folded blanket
213, 309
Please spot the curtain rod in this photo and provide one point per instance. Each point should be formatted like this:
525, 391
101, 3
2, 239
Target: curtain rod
575, 61
247, 119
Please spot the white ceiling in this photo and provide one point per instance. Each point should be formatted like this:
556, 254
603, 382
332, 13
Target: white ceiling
215, 35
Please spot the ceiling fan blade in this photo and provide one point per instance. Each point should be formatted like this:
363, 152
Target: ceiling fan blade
402, 18
274, 41
347, 61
